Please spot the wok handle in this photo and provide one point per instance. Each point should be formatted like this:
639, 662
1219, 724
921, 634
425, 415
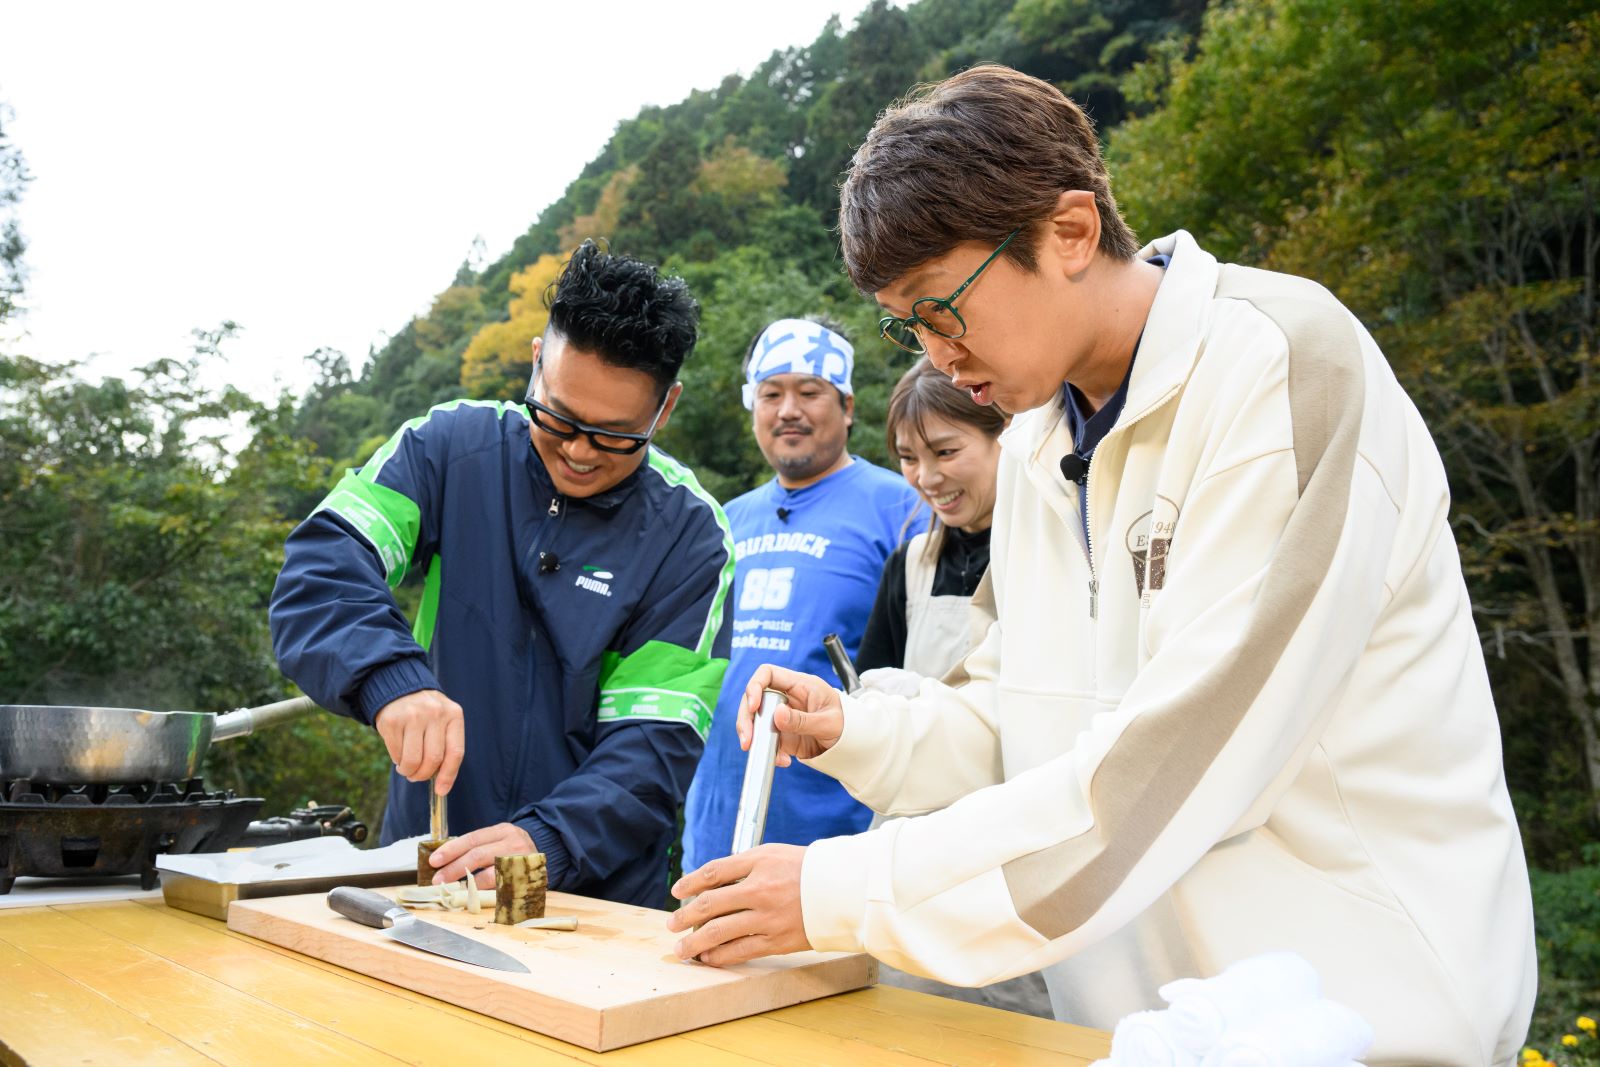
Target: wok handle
247, 721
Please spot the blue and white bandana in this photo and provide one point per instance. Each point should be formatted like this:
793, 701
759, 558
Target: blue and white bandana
795, 346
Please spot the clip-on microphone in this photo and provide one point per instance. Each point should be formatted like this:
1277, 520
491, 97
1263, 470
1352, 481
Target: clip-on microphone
1074, 468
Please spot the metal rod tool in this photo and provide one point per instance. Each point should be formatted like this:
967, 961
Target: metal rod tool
438, 813
751, 821
841, 663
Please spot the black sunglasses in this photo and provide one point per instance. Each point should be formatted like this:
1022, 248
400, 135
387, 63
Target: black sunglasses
617, 442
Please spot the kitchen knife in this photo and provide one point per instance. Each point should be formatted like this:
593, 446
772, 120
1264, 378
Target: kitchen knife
379, 912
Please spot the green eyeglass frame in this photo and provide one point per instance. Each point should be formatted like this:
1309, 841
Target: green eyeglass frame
906, 333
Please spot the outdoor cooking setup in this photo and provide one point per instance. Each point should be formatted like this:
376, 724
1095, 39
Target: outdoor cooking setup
90, 792
101, 795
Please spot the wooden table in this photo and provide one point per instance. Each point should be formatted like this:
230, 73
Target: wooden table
138, 982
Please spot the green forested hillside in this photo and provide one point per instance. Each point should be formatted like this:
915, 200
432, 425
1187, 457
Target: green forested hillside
1434, 162
737, 189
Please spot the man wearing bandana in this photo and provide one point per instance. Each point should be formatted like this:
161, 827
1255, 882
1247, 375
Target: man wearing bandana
810, 545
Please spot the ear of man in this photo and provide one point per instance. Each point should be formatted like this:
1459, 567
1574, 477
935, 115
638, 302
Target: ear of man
674, 392
1072, 233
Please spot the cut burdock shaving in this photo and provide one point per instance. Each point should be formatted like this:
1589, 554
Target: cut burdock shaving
442, 897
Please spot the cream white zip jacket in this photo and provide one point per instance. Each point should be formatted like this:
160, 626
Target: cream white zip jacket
1251, 714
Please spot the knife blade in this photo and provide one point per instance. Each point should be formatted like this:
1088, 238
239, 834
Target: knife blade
381, 913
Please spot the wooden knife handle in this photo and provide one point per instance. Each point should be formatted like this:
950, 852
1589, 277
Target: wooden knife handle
363, 905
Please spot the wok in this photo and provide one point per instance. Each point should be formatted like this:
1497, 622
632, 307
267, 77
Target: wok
122, 746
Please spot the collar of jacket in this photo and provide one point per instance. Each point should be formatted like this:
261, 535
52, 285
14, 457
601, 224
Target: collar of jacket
1172, 340
609, 500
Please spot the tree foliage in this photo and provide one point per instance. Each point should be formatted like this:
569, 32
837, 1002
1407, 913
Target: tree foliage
496, 361
138, 556
741, 177
1437, 166
1432, 163
606, 214
13, 178
138, 548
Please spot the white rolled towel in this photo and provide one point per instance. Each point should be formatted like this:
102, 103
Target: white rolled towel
1203, 1009
1323, 1033
893, 681
1144, 1039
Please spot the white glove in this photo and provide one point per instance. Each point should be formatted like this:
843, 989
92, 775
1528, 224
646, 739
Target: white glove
892, 681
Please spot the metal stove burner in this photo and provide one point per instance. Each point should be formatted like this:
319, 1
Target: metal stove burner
313, 820
65, 831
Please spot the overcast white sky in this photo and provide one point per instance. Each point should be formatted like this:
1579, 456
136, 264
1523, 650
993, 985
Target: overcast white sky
317, 171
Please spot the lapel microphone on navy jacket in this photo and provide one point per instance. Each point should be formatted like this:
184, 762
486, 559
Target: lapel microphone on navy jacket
1074, 468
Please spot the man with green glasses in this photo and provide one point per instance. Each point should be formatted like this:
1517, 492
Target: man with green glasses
559, 677
939, 316
1233, 700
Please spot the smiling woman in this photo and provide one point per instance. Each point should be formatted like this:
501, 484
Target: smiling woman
949, 449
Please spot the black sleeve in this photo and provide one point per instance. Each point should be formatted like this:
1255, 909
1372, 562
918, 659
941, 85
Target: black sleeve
884, 642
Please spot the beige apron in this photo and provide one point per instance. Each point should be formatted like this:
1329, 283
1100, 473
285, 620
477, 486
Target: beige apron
938, 628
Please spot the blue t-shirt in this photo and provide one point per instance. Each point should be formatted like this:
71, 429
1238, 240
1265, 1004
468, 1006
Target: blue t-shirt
808, 565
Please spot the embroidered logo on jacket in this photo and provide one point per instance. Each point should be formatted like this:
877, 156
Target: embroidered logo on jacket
595, 580
1149, 539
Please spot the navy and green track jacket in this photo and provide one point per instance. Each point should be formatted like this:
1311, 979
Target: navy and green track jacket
585, 639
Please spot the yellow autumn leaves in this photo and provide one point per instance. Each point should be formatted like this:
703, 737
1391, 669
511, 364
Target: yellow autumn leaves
496, 362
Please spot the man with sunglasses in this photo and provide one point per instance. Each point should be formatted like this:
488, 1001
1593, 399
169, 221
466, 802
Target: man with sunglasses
559, 677
1233, 699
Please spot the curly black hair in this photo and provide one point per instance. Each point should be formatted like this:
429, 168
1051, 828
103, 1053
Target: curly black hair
625, 312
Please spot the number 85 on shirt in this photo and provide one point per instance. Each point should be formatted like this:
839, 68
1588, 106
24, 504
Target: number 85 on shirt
766, 589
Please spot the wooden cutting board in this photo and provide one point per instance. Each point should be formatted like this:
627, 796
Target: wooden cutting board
612, 982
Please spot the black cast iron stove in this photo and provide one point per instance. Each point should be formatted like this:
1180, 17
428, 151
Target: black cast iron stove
54, 831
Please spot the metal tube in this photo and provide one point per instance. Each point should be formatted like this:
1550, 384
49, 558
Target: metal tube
246, 721
438, 814
841, 663
751, 821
